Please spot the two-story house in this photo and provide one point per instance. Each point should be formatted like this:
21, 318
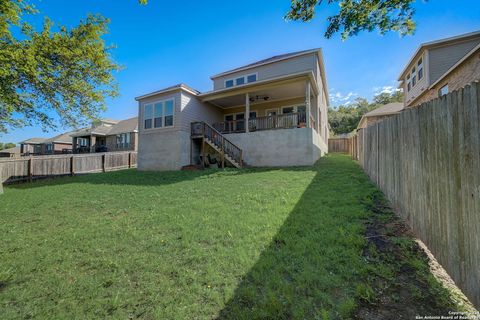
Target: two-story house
271, 112
441, 66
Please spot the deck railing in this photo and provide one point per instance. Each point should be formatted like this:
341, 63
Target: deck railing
202, 129
281, 121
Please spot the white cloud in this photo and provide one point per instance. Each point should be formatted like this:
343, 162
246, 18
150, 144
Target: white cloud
385, 89
338, 98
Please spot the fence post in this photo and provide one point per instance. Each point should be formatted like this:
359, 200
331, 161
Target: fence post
129, 160
30, 169
72, 166
103, 162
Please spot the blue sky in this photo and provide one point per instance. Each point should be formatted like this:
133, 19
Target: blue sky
167, 42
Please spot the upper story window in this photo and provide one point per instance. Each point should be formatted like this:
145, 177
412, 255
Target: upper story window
443, 90
158, 114
414, 77
420, 69
409, 83
241, 80
229, 83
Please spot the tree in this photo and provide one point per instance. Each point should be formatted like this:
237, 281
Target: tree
359, 15
388, 97
54, 75
345, 119
7, 145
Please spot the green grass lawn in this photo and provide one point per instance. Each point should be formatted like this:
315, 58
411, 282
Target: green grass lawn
240, 244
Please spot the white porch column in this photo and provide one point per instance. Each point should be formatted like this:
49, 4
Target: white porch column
247, 111
307, 103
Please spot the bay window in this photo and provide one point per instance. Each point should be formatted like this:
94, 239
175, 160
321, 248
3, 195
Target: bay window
159, 114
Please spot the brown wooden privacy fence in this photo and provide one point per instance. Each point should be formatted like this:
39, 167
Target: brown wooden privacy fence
346, 145
427, 162
29, 168
339, 145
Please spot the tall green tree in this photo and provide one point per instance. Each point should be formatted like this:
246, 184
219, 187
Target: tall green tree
344, 119
358, 15
54, 75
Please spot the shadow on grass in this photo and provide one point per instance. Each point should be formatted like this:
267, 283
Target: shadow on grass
310, 268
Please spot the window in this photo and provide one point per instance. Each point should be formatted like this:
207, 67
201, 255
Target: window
443, 90
123, 140
229, 117
147, 115
420, 69
82, 142
414, 77
287, 110
409, 84
229, 83
49, 147
292, 109
241, 80
168, 113
252, 115
252, 78
159, 114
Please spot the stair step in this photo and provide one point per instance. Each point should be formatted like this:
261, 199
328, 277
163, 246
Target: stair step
227, 156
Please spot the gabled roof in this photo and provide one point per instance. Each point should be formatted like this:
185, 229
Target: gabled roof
267, 61
387, 109
62, 138
179, 86
124, 126
438, 43
33, 141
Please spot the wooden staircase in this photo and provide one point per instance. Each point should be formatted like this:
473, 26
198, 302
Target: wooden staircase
228, 151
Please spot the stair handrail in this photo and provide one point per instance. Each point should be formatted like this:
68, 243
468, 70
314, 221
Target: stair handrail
223, 143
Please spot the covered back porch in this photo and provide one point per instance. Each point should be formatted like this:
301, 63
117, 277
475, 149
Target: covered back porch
282, 104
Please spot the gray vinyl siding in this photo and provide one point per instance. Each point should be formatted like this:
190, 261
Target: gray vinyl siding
195, 110
281, 68
421, 84
443, 58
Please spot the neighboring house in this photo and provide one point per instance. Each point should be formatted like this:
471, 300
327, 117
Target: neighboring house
10, 152
440, 67
269, 113
32, 146
58, 144
107, 135
381, 113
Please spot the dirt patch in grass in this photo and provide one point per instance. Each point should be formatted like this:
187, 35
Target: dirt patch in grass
400, 284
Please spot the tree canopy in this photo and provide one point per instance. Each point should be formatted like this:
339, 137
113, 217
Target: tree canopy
359, 15
53, 75
345, 118
7, 145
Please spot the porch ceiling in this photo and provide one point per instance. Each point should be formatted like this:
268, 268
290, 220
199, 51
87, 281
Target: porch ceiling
280, 91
